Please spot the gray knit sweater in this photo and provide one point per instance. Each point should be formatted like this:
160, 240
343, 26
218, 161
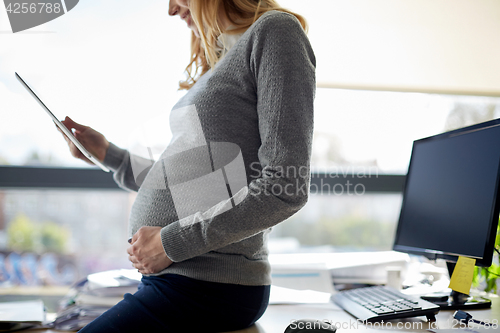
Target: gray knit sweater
238, 162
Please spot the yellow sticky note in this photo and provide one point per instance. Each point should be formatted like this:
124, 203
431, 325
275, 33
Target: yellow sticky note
461, 279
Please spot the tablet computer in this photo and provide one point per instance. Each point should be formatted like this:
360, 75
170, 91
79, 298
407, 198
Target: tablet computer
63, 128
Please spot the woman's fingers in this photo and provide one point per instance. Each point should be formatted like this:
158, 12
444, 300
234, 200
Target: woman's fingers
70, 124
75, 152
137, 265
92, 140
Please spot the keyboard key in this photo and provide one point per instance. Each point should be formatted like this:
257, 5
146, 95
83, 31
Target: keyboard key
384, 303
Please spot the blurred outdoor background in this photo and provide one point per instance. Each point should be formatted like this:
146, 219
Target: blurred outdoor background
116, 65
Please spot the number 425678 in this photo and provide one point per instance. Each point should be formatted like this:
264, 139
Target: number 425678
40, 7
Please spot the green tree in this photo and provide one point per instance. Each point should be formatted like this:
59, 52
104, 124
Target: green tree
352, 233
53, 237
21, 234
26, 235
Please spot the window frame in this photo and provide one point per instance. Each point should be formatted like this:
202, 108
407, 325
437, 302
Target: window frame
20, 177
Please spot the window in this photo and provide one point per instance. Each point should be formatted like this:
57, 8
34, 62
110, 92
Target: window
111, 67
54, 236
362, 137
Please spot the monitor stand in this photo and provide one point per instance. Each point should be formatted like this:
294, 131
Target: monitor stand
457, 300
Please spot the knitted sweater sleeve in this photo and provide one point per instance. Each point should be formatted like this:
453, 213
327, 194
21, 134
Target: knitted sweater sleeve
119, 161
283, 67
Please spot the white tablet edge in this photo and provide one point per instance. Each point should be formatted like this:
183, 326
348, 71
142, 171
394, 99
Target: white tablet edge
63, 128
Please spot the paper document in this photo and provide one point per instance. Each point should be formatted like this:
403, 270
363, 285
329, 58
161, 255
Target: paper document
20, 315
26, 311
281, 295
310, 278
95, 294
353, 267
461, 279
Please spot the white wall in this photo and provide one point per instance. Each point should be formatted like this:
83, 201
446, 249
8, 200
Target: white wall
447, 46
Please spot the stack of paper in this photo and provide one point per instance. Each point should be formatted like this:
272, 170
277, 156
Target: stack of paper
318, 271
20, 315
92, 296
281, 296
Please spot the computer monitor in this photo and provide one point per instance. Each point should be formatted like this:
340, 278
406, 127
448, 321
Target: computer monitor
451, 197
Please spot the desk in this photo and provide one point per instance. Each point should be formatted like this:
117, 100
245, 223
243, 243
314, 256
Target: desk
278, 317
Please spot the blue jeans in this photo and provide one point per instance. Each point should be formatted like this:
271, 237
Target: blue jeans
175, 303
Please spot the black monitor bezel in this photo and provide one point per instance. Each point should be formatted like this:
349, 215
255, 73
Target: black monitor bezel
487, 258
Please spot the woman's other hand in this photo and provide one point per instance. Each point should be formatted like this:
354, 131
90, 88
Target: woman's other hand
146, 251
92, 140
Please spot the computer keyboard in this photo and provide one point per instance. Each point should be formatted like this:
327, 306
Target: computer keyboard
372, 304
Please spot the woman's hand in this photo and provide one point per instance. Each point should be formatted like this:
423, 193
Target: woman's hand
146, 251
92, 140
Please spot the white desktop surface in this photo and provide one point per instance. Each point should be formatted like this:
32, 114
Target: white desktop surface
278, 317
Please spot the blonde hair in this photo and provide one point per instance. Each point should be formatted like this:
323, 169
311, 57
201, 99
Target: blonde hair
205, 52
